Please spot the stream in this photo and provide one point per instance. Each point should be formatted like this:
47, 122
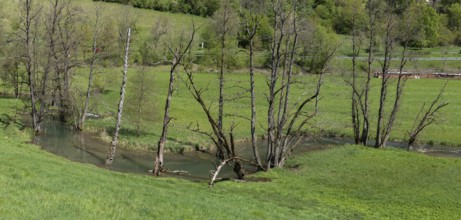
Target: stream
86, 148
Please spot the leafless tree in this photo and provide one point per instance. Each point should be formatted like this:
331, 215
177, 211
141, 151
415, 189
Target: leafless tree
28, 36
251, 19
360, 96
178, 55
225, 144
389, 43
374, 11
286, 127
113, 147
63, 38
426, 117
283, 50
225, 27
359, 106
408, 30
95, 51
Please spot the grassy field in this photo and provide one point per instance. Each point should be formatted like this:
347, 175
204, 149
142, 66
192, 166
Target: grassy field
333, 117
349, 182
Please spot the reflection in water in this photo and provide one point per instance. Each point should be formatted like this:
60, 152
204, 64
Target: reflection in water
82, 147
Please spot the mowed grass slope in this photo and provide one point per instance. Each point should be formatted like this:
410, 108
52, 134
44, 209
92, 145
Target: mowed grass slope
349, 182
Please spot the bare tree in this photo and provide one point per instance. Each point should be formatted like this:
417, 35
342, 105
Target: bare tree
96, 29
225, 144
374, 10
113, 147
408, 30
225, 28
426, 117
63, 38
28, 36
359, 107
251, 23
178, 56
286, 127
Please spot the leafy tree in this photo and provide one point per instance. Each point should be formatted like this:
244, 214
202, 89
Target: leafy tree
348, 13
430, 21
454, 17
317, 46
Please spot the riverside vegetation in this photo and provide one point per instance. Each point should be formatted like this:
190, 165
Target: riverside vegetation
345, 182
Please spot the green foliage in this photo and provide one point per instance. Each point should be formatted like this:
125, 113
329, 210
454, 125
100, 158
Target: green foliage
430, 23
454, 17
317, 48
196, 7
348, 14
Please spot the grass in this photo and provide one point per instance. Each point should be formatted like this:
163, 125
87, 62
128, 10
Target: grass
144, 19
334, 116
349, 182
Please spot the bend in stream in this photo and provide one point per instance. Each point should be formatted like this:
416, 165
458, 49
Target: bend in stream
83, 147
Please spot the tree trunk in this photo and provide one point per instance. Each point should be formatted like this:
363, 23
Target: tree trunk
366, 102
93, 59
29, 41
275, 61
384, 82
178, 57
166, 120
254, 143
355, 99
113, 147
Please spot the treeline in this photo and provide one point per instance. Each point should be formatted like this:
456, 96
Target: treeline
439, 21
203, 8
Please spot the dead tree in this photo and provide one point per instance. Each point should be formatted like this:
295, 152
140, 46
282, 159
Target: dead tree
283, 51
286, 127
426, 117
178, 56
63, 40
225, 145
113, 146
389, 41
28, 36
251, 22
94, 57
408, 31
225, 28
374, 11
356, 95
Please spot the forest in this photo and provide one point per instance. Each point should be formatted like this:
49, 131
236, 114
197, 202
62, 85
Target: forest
248, 85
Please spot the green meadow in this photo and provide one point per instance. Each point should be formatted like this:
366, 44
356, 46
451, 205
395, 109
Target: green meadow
333, 117
348, 182
342, 182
